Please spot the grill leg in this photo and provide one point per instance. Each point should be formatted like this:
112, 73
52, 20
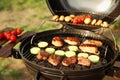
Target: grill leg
37, 76
63, 78
44, 78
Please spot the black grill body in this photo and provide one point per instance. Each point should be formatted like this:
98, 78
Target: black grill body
55, 73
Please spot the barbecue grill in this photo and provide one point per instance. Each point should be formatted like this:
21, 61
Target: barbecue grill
109, 51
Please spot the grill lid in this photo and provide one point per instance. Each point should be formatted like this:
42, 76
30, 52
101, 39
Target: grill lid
102, 7
107, 10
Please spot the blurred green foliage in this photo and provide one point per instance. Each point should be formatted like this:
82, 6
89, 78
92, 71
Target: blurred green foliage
116, 25
21, 4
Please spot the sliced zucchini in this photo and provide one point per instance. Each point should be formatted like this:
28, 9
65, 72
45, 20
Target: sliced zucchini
94, 58
34, 50
70, 53
59, 52
50, 50
85, 55
73, 48
42, 44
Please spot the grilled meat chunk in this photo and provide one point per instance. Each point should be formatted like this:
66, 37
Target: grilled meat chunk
43, 55
93, 42
89, 48
57, 41
84, 61
54, 59
69, 61
72, 40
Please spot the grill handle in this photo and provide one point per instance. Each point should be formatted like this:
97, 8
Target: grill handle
63, 78
15, 52
114, 72
118, 58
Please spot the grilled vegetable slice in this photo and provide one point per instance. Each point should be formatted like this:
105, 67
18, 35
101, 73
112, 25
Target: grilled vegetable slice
42, 44
50, 50
85, 55
70, 53
34, 50
87, 20
59, 52
73, 48
94, 58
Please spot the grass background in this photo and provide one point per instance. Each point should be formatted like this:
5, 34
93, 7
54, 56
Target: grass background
30, 15
37, 11
21, 4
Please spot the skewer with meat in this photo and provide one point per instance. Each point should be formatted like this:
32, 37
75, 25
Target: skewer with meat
69, 61
54, 59
43, 55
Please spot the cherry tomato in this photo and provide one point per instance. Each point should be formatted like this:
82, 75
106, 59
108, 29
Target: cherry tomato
82, 19
75, 21
7, 35
1, 35
13, 38
19, 31
14, 32
6, 32
11, 34
79, 20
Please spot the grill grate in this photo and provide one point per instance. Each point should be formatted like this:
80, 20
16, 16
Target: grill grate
106, 51
104, 60
75, 67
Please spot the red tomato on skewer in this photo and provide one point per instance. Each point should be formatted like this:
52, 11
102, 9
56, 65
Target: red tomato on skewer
13, 38
75, 21
19, 31
7, 34
1, 35
14, 32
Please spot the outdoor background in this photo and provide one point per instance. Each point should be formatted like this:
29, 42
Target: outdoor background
30, 15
